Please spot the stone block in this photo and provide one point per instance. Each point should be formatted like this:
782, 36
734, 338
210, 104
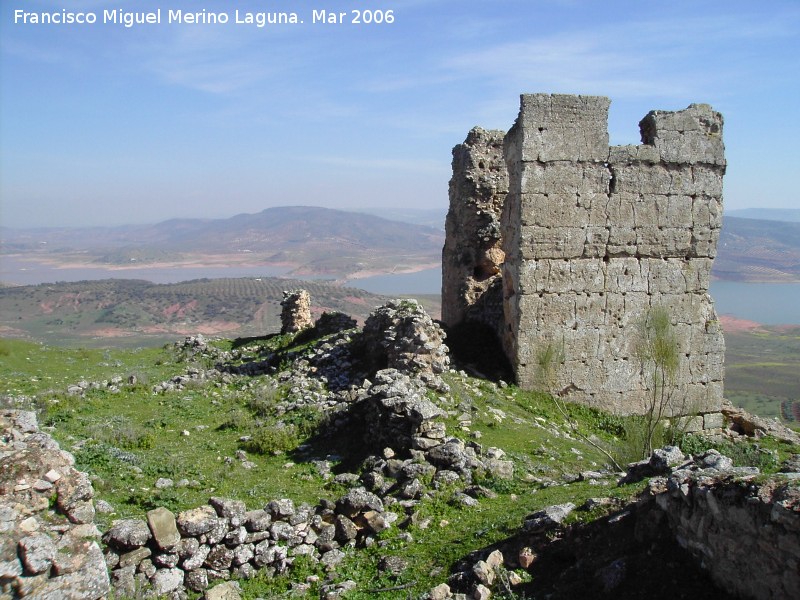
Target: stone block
633, 154
555, 242
164, 528
713, 421
596, 244
689, 136
562, 127
690, 424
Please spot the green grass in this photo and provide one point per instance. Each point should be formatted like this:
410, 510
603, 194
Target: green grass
128, 440
761, 371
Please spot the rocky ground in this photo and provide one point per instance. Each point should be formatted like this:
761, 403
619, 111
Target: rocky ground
419, 463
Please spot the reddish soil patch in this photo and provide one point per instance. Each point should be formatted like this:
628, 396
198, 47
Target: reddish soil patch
6, 331
731, 324
179, 310
210, 328
107, 332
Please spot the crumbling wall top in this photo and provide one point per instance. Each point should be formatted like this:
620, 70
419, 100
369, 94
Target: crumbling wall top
689, 136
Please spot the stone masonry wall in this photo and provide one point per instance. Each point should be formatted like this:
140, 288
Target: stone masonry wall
745, 532
595, 237
472, 255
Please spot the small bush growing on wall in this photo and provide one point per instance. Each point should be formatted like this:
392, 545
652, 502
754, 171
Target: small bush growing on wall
657, 349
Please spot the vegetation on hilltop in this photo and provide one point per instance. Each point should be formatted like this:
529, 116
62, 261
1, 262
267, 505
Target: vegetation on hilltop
132, 312
758, 250
128, 437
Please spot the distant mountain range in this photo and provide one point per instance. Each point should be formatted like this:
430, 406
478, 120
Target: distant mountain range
766, 214
313, 240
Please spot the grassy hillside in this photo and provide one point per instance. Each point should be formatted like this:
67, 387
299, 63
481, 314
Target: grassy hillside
128, 438
761, 372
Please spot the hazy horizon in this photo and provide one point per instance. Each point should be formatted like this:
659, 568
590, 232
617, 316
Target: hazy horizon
387, 212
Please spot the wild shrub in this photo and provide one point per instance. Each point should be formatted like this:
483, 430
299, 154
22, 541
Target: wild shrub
272, 439
638, 432
122, 432
597, 421
235, 420
549, 359
657, 349
307, 420
743, 454
264, 399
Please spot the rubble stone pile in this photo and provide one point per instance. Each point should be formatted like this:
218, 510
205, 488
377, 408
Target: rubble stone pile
169, 553
48, 541
401, 335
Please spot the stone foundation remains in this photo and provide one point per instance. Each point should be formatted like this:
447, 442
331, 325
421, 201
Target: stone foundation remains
596, 240
742, 530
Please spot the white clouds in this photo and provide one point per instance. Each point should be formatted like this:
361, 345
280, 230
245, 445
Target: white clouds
635, 59
384, 104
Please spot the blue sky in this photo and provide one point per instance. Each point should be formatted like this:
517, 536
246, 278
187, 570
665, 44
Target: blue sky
102, 124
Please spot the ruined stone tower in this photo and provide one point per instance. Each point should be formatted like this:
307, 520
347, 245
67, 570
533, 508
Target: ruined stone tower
471, 289
596, 238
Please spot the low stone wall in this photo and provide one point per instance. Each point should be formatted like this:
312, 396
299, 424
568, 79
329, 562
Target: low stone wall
168, 553
48, 540
743, 529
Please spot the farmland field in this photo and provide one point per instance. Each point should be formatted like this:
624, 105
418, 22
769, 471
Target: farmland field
120, 312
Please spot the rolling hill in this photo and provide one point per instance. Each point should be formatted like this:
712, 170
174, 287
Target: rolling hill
124, 311
758, 250
311, 239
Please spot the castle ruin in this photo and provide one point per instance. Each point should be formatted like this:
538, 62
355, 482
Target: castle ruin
471, 286
593, 239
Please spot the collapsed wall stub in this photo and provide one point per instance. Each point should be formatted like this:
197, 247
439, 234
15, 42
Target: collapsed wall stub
295, 311
595, 237
472, 255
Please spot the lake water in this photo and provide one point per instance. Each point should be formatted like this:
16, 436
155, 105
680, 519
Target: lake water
24, 272
428, 281
768, 303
